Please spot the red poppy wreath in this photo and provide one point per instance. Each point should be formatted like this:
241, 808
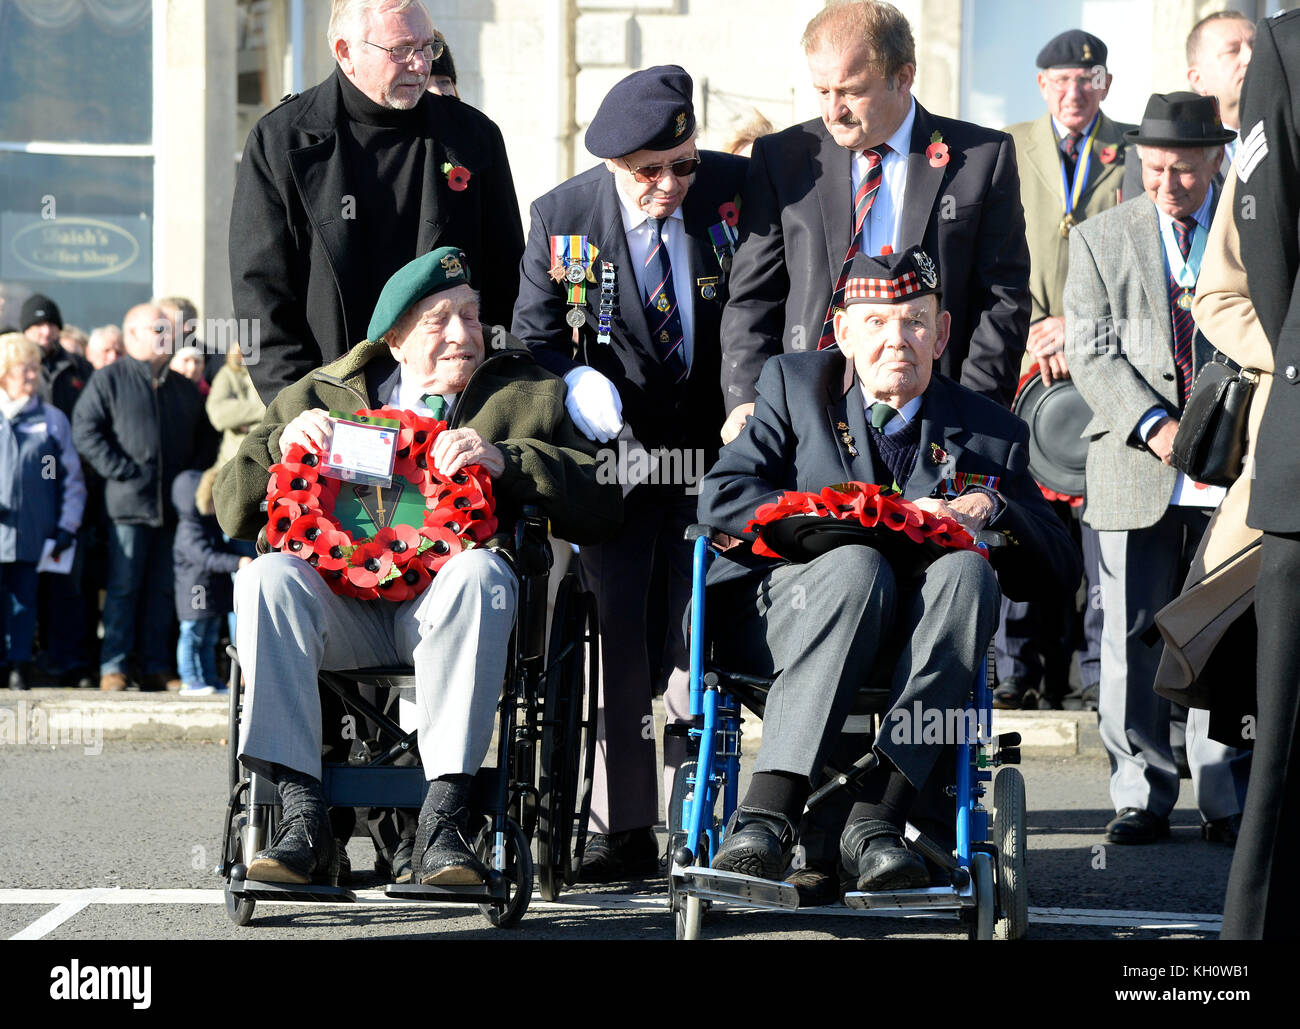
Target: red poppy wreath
867, 505
411, 541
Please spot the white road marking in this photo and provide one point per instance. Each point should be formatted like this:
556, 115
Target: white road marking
72, 901
51, 920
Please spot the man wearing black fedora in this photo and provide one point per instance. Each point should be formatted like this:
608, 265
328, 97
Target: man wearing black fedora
1134, 351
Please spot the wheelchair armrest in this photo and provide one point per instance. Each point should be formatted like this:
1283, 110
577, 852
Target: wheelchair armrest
532, 542
718, 539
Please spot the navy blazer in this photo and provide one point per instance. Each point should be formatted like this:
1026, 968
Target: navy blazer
660, 413
795, 227
791, 442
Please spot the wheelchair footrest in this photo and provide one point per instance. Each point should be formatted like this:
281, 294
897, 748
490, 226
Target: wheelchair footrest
734, 888
298, 893
932, 897
467, 893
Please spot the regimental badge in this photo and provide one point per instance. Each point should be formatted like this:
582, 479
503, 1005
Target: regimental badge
925, 269
1087, 52
708, 287
451, 265
663, 337
662, 303
681, 124
847, 439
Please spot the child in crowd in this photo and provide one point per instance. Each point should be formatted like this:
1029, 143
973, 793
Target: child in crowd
203, 563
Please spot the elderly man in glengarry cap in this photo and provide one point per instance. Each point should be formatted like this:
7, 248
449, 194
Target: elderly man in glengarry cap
648, 238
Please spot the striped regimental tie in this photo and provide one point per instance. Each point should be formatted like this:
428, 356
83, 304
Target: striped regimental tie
661, 313
862, 202
1183, 325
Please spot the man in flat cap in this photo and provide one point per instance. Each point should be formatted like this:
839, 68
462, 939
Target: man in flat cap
1134, 351
871, 410
875, 171
1073, 160
345, 183
424, 352
621, 292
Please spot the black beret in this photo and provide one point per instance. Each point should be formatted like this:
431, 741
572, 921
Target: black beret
443, 65
1073, 49
648, 110
891, 278
437, 270
39, 309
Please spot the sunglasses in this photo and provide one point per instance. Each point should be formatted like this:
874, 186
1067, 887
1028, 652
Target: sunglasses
655, 172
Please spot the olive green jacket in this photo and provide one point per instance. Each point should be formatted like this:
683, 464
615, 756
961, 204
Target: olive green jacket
511, 401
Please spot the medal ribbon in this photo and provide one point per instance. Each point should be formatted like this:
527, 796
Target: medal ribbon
724, 238
1185, 272
1071, 192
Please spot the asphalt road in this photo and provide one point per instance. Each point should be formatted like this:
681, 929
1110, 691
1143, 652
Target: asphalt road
142, 822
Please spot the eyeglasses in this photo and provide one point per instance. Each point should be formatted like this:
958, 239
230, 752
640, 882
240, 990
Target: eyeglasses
655, 172
403, 54
1064, 83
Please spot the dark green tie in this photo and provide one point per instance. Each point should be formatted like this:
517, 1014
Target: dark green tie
881, 414
436, 405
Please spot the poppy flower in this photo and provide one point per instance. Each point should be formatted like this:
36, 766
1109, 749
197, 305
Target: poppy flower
369, 564
443, 546
402, 541
331, 548
1108, 154
938, 154
280, 516
287, 485
458, 178
730, 213
411, 581
301, 538
482, 527
298, 456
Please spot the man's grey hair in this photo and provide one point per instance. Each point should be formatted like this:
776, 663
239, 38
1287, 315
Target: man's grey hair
348, 17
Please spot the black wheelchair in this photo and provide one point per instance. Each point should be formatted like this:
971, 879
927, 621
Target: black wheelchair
538, 789
984, 872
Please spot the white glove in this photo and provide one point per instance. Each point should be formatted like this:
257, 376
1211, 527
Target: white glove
594, 404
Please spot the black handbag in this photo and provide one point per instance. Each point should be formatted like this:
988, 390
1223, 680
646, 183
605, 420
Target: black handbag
1210, 444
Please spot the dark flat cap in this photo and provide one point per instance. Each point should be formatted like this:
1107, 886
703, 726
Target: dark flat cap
38, 309
648, 110
891, 278
1072, 49
1180, 120
437, 270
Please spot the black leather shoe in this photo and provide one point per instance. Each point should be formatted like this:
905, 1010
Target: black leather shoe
873, 850
300, 853
620, 856
403, 860
1222, 830
1084, 700
449, 860
1134, 825
757, 843
1010, 695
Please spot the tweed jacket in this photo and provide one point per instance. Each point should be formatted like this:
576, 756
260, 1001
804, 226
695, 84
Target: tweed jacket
1119, 344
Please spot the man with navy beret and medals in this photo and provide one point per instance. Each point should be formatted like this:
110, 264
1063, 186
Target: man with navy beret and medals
874, 410
621, 292
1072, 164
1134, 351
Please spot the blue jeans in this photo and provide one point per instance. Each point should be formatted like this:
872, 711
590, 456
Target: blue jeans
196, 652
140, 600
17, 610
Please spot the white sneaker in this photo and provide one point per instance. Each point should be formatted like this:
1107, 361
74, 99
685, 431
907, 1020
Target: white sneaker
200, 690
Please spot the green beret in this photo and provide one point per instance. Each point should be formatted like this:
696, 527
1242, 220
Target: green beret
437, 270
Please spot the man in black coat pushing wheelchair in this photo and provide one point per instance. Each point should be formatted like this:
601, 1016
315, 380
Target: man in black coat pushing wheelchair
923, 453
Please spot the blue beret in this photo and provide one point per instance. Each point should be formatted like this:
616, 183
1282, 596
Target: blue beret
891, 278
437, 270
1073, 49
648, 110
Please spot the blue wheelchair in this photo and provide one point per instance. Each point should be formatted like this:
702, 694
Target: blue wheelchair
985, 871
539, 787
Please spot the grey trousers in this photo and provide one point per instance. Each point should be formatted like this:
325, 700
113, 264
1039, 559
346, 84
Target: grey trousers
1141, 571
821, 628
456, 634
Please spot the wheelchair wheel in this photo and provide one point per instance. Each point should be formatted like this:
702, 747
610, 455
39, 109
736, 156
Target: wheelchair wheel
568, 753
238, 909
981, 867
518, 873
1009, 835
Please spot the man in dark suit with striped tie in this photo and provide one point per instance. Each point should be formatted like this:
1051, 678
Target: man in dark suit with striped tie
1134, 351
809, 205
648, 239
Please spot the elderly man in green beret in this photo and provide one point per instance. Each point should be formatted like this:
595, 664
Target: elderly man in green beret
425, 352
